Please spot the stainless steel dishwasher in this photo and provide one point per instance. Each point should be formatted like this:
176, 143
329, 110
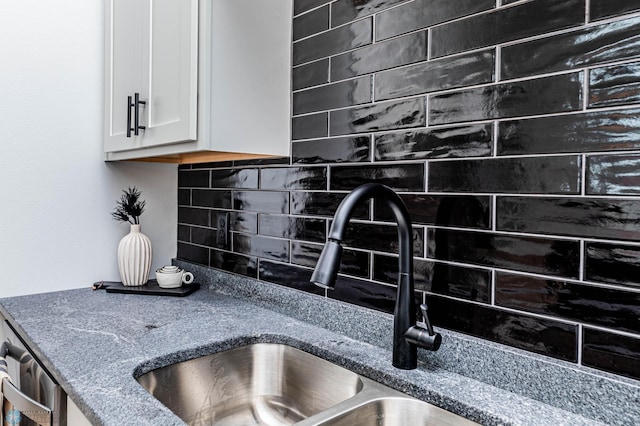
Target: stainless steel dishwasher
31, 396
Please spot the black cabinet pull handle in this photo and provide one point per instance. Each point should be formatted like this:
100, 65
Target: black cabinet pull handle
134, 104
129, 106
137, 103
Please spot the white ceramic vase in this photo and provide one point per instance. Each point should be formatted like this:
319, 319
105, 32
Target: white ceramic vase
134, 257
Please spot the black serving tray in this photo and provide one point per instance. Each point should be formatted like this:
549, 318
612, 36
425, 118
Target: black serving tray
150, 288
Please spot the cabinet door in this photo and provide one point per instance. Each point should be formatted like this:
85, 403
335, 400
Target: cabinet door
151, 49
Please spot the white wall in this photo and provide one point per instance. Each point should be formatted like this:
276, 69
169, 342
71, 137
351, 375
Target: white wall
56, 192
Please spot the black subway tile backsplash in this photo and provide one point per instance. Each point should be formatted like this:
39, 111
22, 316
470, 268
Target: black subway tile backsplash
595, 131
350, 149
382, 116
560, 93
474, 140
441, 74
400, 177
585, 303
310, 126
311, 23
521, 253
613, 174
584, 47
507, 24
601, 9
332, 96
611, 352
343, 11
380, 56
552, 175
511, 130
544, 336
614, 85
612, 263
604, 218
418, 14
293, 178
311, 74
333, 41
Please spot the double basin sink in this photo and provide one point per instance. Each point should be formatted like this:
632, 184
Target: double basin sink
275, 384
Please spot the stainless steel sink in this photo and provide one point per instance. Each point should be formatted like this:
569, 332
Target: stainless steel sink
259, 384
394, 411
272, 384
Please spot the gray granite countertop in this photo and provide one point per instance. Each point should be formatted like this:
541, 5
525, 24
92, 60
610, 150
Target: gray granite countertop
95, 343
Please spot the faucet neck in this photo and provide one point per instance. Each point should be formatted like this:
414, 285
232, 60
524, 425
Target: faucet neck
401, 215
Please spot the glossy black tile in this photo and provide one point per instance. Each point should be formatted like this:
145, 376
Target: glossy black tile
193, 216
612, 263
559, 93
184, 233
184, 166
380, 56
243, 222
366, 293
533, 175
507, 24
591, 46
613, 174
332, 96
611, 308
323, 204
436, 277
600, 9
203, 236
383, 116
311, 23
583, 217
615, 85
308, 178
352, 262
211, 198
475, 140
462, 211
440, 74
401, 177
418, 14
193, 179
517, 253
269, 161
261, 201
234, 178
543, 336
288, 275
334, 150
193, 253
382, 238
595, 131
294, 228
310, 126
234, 263
311, 74
184, 197
333, 42
611, 352
301, 6
263, 247
343, 11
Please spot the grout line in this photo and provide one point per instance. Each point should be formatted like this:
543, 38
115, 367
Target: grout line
582, 262
579, 342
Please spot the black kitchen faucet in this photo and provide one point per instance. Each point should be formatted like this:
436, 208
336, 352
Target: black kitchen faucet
407, 336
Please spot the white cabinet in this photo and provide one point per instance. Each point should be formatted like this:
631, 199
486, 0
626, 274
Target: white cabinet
215, 76
151, 56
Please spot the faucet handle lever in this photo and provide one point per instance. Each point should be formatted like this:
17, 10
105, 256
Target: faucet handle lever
425, 318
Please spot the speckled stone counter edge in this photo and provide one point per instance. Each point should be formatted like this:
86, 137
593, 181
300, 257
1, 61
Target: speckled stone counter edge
587, 392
